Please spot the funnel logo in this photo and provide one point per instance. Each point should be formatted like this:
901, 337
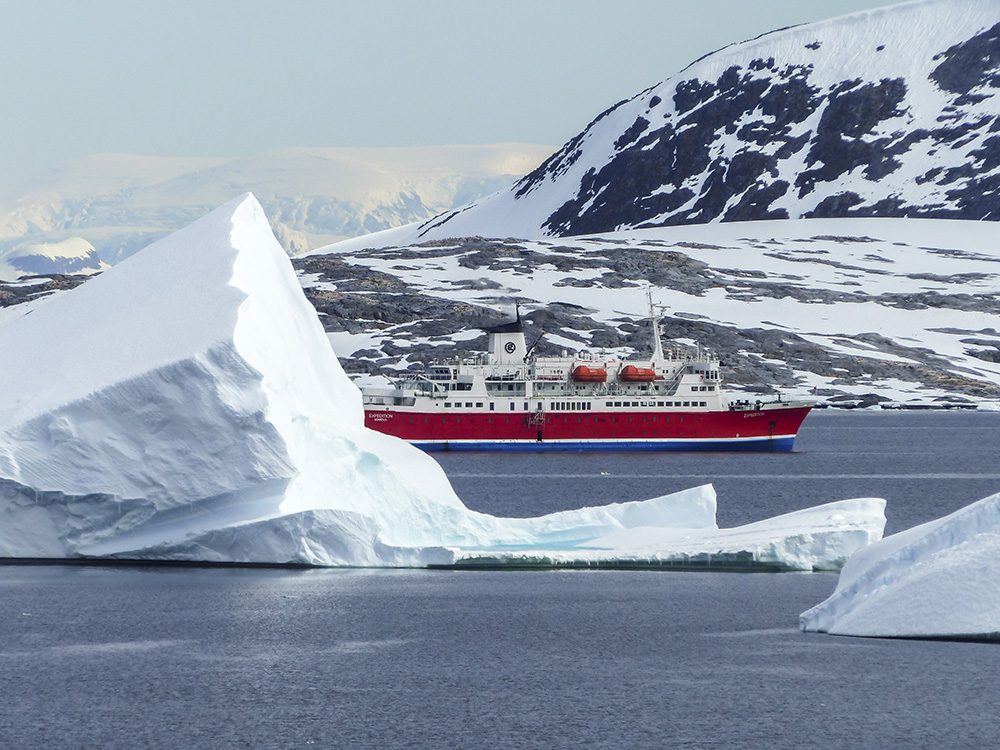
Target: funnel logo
510, 346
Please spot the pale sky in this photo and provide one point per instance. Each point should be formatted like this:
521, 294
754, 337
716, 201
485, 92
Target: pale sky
234, 77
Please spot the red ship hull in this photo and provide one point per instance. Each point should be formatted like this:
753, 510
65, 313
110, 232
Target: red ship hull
769, 429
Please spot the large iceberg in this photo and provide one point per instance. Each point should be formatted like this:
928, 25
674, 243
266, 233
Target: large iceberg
186, 405
937, 580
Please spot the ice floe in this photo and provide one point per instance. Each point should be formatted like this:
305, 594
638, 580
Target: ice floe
186, 405
936, 580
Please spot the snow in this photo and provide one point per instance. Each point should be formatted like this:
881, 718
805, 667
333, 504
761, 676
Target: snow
903, 41
934, 580
120, 203
72, 255
875, 257
187, 405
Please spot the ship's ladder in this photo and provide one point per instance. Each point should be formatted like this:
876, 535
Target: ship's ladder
536, 419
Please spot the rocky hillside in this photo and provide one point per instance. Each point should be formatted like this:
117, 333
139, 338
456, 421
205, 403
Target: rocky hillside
901, 309
892, 112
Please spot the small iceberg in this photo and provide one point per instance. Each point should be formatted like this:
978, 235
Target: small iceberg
936, 580
186, 405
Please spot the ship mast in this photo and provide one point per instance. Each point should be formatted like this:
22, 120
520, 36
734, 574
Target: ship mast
654, 319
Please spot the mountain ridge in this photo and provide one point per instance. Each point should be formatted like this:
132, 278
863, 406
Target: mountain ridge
887, 112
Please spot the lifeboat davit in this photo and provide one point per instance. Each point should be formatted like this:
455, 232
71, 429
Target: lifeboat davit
633, 374
584, 374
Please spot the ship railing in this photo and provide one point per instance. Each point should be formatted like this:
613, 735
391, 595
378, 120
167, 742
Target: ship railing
422, 385
755, 405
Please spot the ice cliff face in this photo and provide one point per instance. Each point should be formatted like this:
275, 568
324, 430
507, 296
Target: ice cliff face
937, 580
891, 112
186, 405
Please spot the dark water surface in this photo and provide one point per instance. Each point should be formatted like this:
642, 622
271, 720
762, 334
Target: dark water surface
127, 657
925, 464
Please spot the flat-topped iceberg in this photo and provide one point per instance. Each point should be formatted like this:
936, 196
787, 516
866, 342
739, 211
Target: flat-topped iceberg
186, 405
937, 580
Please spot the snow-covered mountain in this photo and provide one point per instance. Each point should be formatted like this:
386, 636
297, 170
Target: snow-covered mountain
904, 308
742, 191
890, 112
119, 204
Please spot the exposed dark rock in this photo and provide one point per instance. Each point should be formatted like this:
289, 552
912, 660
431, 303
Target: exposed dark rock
33, 287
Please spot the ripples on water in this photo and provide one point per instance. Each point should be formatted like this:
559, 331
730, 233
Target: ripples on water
925, 464
234, 658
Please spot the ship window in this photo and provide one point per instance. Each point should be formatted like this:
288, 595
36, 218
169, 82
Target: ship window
526, 406
659, 403
444, 419
614, 419
687, 403
489, 420
491, 406
608, 403
411, 420
512, 407
468, 404
447, 404
711, 387
425, 420
703, 403
617, 403
479, 404
458, 419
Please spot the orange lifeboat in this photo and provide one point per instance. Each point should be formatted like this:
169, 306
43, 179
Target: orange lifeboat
584, 374
633, 374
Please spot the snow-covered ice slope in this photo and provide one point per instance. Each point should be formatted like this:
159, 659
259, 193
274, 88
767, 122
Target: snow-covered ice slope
939, 579
886, 112
186, 405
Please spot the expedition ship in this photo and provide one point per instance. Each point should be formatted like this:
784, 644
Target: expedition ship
511, 400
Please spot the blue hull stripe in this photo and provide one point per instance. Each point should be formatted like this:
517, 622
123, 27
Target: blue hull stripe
775, 444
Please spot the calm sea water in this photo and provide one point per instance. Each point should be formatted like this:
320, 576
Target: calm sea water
130, 657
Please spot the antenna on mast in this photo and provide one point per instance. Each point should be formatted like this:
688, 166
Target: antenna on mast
654, 321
